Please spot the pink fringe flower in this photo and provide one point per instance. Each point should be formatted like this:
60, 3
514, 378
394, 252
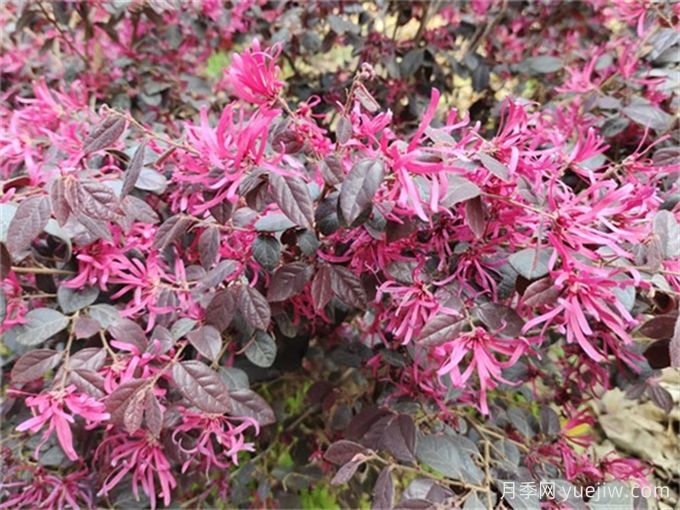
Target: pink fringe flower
141, 455
212, 429
254, 75
53, 408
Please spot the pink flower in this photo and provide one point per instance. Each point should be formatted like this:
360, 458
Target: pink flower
29, 486
141, 455
415, 305
483, 354
254, 75
625, 469
203, 431
587, 296
53, 408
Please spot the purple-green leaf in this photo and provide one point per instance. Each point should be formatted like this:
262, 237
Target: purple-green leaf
261, 350
289, 280
246, 402
495, 167
133, 170
220, 311
440, 329
383, 491
123, 396
153, 413
27, 223
202, 386
322, 290
474, 216
359, 188
104, 134
170, 231
292, 196
347, 287
208, 246
207, 341
254, 307
400, 438
343, 451
34, 364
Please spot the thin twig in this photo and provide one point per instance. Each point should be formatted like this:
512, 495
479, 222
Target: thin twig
66, 39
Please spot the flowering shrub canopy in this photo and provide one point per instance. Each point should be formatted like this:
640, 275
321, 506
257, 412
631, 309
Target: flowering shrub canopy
246, 242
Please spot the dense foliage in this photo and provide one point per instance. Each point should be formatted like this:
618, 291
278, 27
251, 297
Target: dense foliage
316, 254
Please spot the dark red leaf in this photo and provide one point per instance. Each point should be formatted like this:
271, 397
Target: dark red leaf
417, 504
133, 170
202, 386
5, 262
550, 422
501, 319
661, 397
359, 188
218, 273
222, 211
207, 341
254, 307
139, 210
474, 216
208, 246
88, 381
288, 280
440, 329
60, 207
383, 491
347, 287
34, 364
345, 473
170, 231
267, 251
292, 196
674, 345
128, 331
220, 311
331, 170
248, 403
98, 229
542, 292
660, 327
134, 412
395, 230
28, 222
364, 421
400, 438
96, 201
322, 291
343, 451
91, 358
104, 134
153, 413
119, 400
658, 354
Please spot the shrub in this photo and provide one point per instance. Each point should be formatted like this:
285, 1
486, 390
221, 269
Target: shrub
411, 241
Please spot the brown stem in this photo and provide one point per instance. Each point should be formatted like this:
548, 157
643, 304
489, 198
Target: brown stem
40, 270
